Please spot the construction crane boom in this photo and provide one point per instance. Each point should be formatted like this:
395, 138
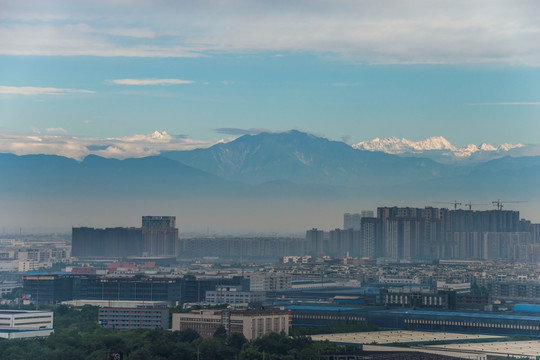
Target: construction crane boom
455, 203
500, 203
470, 205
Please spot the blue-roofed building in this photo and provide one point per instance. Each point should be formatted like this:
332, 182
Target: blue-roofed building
322, 314
496, 323
527, 308
507, 323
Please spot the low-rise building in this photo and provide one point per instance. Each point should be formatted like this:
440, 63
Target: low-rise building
421, 298
22, 324
134, 318
252, 323
460, 288
270, 282
7, 287
233, 296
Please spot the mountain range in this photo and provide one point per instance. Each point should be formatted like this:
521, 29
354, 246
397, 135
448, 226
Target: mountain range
269, 182
441, 150
303, 158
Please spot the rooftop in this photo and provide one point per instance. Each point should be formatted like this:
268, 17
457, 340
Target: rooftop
513, 348
17, 312
474, 314
400, 336
320, 308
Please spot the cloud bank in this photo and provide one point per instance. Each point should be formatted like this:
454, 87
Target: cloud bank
56, 142
33, 90
372, 32
142, 82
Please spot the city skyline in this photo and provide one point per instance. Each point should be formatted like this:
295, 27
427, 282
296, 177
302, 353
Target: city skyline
141, 81
249, 178
266, 183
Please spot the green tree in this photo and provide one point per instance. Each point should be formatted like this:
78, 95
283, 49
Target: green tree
250, 353
187, 335
236, 341
220, 333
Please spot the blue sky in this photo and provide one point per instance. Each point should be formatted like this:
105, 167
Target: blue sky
73, 74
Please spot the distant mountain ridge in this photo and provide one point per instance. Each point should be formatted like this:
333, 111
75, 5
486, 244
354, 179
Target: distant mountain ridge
437, 147
304, 158
270, 181
57, 175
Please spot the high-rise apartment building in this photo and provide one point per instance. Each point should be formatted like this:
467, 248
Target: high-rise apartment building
160, 236
368, 237
106, 243
351, 221
430, 233
341, 242
314, 241
158, 222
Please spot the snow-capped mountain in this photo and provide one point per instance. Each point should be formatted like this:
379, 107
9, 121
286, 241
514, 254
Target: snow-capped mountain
436, 147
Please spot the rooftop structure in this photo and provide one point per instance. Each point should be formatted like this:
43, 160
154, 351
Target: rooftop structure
158, 222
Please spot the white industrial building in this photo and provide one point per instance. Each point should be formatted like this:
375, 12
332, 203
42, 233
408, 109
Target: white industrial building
233, 296
16, 324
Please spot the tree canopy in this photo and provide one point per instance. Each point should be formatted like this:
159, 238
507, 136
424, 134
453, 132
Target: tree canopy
79, 337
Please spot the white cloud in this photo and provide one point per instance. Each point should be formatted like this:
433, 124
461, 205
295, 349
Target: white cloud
34, 90
138, 145
505, 103
138, 82
77, 40
374, 32
56, 130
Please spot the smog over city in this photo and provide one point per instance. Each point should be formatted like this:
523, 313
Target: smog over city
329, 164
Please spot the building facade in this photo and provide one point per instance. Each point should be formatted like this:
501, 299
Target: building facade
252, 323
106, 243
19, 324
270, 282
232, 296
133, 318
158, 236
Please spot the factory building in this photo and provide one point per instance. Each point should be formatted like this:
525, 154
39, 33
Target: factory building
17, 324
252, 323
496, 323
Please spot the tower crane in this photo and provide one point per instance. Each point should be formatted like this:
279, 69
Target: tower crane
470, 205
455, 203
499, 203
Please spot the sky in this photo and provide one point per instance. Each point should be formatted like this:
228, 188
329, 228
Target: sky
161, 75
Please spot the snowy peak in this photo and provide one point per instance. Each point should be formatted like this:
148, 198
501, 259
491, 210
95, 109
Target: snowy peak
487, 147
394, 145
435, 144
508, 147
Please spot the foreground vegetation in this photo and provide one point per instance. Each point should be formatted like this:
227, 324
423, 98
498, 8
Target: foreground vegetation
78, 336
